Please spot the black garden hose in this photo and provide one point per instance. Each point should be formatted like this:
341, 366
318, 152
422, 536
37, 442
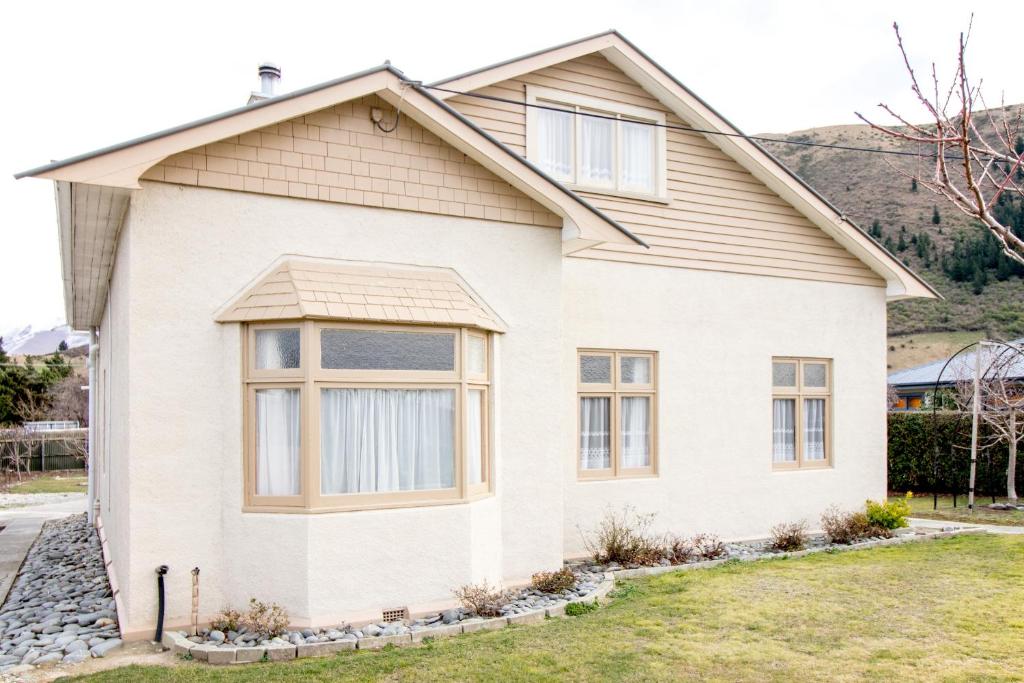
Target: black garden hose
160, 572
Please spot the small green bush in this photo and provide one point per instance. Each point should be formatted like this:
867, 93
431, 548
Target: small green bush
577, 609
845, 528
889, 515
788, 537
554, 582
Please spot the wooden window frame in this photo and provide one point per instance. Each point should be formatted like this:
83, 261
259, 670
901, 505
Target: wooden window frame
576, 104
310, 378
798, 393
616, 391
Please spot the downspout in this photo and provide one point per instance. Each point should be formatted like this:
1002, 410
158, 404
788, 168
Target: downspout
91, 462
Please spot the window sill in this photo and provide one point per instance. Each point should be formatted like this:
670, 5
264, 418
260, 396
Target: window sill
640, 196
801, 468
296, 510
613, 477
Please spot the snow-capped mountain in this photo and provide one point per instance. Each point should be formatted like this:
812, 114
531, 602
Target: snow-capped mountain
26, 341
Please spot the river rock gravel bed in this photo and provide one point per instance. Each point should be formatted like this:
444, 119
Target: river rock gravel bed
60, 609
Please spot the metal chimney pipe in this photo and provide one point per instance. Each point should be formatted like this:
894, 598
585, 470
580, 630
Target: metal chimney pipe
270, 76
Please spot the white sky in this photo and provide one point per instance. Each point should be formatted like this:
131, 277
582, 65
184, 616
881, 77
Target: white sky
82, 75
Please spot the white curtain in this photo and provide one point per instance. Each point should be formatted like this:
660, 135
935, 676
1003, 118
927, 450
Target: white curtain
595, 433
783, 430
554, 142
474, 435
637, 157
374, 440
597, 149
277, 442
636, 436
814, 429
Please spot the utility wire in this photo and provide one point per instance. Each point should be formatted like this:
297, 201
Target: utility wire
688, 129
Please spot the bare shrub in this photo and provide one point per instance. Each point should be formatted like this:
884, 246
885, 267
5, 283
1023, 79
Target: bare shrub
228, 620
267, 620
708, 546
624, 537
849, 527
678, 550
554, 582
482, 599
788, 537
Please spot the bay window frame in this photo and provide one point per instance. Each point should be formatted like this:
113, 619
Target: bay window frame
310, 378
798, 393
577, 105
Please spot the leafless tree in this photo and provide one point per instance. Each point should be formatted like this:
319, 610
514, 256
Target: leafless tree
68, 401
973, 150
892, 398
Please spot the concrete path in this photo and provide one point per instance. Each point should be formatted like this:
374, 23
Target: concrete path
21, 527
941, 523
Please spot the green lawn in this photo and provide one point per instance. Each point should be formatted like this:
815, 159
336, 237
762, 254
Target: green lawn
50, 483
921, 506
907, 613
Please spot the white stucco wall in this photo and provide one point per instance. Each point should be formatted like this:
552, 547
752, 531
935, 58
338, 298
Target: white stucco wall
716, 334
192, 250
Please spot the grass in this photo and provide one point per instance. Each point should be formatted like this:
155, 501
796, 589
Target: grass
51, 483
906, 612
921, 506
910, 350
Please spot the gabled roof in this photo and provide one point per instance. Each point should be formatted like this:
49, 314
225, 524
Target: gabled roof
901, 281
961, 367
298, 287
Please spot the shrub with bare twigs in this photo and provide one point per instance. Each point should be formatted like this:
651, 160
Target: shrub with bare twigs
788, 537
483, 599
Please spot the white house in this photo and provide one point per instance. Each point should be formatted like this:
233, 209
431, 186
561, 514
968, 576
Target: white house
361, 343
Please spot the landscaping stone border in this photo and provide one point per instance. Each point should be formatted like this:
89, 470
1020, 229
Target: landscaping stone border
179, 644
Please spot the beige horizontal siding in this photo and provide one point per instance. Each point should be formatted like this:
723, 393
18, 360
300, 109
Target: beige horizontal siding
718, 217
338, 155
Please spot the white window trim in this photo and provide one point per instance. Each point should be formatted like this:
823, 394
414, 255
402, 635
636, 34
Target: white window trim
576, 102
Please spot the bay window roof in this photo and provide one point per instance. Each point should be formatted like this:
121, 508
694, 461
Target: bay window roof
297, 288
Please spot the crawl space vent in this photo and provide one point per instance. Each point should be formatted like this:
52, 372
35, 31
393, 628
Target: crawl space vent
395, 614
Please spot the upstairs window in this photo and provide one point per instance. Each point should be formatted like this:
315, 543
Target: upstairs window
597, 145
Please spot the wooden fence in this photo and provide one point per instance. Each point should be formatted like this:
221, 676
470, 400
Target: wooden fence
25, 450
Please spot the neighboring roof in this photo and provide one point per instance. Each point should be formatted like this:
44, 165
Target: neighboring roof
300, 287
961, 367
901, 281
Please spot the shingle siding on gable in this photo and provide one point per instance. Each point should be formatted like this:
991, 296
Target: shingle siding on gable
719, 216
338, 155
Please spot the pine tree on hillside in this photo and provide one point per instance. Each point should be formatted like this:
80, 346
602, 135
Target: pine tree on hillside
913, 184
936, 218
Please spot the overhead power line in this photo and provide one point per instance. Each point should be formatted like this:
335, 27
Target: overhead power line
690, 129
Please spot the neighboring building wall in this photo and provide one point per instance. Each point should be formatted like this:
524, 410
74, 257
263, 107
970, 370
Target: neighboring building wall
719, 216
193, 249
339, 155
716, 334
112, 442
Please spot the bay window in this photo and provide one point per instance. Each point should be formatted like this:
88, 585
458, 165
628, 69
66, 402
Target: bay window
616, 392
597, 145
801, 413
351, 415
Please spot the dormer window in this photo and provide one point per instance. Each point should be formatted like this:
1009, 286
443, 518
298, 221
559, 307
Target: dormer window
597, 145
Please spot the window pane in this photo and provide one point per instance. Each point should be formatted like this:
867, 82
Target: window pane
636, 431
474, 436
374, 440
597, 145
277, 349
476, 352
595, 433
277, 442
596, 369
783, 430
635, 369
554, 142
814, 429
815, 375
784, 374
636, 160
379, 350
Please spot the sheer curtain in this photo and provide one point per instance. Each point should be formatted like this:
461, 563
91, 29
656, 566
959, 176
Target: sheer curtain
597, 149
814, 429
374, 440
783, 430
595, 433
474, 435
637, 157
636, 438
554, 142
277, 442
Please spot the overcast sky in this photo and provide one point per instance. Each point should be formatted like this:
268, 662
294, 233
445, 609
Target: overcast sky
82, 75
